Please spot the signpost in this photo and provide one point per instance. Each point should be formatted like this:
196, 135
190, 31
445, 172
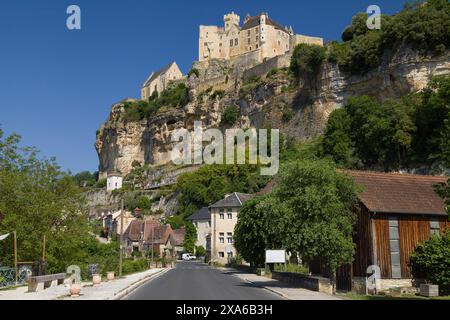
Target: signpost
276, 256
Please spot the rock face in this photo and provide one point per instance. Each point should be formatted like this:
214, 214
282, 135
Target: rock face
300, 111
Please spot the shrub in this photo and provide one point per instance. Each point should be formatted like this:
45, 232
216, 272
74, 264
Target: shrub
195, 72
307, 59
217, 93
431, 261
288, 115
230, 116
101, 183
132, 266
200, 251
177, 94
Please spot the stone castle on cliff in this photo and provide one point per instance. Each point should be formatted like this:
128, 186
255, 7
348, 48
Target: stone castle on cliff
257, 40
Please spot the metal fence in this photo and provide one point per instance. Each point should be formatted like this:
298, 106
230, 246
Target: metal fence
8, 276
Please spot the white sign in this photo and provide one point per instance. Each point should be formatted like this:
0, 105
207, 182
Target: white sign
275, 256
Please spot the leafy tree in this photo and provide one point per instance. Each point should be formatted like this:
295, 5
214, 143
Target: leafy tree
258, 228
86, 179
307, 59
190, 237
229, 116
337, 141
432, 118
36, 199
430, 261
309, 212
200, 251
319, 220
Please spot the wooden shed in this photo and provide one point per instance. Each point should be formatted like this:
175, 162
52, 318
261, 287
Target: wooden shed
397, 212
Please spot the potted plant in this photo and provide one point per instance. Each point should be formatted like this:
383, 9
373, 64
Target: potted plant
75, 289
96, 280
109, 266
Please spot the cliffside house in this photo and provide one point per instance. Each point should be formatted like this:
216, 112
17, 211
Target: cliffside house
158, 81
223, 220
397, 212
202, 222
114, 181
259, 36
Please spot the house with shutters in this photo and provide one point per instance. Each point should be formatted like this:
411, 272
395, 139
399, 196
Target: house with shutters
396, 213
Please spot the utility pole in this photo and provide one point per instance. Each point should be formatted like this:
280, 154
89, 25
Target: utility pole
153, 240
15, 257
121, 239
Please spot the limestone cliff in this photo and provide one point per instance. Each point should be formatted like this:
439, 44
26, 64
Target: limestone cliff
299, 110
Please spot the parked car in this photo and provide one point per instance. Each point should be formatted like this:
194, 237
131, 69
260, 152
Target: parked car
186, 256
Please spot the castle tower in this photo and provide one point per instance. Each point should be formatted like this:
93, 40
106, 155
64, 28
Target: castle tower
230, 20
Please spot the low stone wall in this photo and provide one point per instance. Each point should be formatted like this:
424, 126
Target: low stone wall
407, 285
314, 283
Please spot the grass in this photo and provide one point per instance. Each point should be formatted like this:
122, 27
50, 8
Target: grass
354, 296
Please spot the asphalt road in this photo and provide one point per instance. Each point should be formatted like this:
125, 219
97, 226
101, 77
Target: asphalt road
197, 281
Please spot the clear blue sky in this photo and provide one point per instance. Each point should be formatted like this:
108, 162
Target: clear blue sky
57, 86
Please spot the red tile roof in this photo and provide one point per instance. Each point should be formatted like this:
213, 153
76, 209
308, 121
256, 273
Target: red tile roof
399, 193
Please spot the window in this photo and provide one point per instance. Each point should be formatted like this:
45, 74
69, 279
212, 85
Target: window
229, 215
250, 48
236, 42
231, 42
248, 33
257, 38
434, 227
257, 46
221, 214
221, 254
205, 44
221, 237
220, 44
230, 237
394, 241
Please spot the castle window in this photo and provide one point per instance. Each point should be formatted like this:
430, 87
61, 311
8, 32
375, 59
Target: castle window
231, 42
250, 49
220, 44
257, 46
235, 42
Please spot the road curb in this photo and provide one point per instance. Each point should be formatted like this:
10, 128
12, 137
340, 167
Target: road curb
263, 287
125, 292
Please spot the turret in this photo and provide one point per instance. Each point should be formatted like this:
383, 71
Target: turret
230, 20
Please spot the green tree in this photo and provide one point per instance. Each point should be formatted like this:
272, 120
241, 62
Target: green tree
443, 190
259, 228
320, 219
307, 59
430, 261
36, 199
190, 237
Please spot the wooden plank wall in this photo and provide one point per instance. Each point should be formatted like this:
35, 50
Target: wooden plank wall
382, 245
363, 241
412, 230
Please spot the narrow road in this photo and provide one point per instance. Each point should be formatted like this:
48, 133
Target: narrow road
198, 281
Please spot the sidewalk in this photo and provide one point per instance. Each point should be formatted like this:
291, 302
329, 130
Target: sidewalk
280, 288
113, 290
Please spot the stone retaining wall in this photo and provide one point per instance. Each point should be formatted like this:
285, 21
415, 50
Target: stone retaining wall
314, 283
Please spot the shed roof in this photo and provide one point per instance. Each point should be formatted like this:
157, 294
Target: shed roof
400, 193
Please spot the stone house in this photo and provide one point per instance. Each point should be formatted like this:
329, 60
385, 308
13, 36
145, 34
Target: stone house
143, 235
158, 81
114, 181
224, 215
397, 212
202, 222
259, 36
